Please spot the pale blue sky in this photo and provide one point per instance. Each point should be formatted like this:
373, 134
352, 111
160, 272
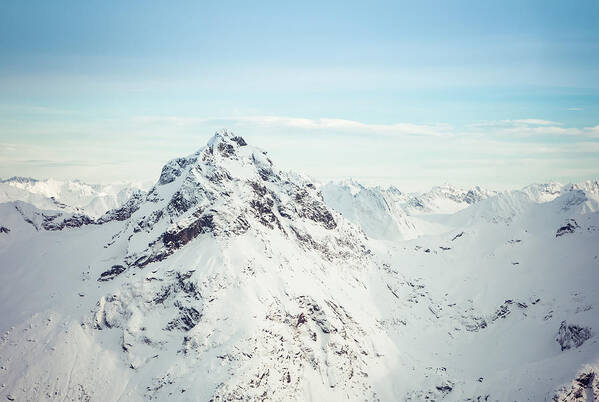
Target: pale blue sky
409, 93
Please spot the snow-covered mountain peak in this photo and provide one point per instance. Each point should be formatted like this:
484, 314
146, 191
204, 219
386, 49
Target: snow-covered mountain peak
227, 137
228, 188
225, 236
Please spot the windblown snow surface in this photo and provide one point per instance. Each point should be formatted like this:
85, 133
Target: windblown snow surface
233, 280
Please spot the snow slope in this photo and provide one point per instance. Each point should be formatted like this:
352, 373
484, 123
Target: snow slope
389, 214
231, 279
378, 212
492, 295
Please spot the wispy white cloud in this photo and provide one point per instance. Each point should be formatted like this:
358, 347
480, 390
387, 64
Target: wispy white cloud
515, 123
7, 148
407, 129
33, 109
592, 131
320, 124
536, 122
522, 127
531, 128
515, 128
525, 130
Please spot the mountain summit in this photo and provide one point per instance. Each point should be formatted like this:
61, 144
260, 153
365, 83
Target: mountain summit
242, 271
226, 189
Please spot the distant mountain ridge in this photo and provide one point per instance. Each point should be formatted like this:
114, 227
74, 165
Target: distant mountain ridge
71, 196
390, 214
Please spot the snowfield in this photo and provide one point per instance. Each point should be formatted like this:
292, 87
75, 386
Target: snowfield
230, 279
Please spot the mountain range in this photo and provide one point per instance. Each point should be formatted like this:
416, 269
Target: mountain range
230, 279
73, 196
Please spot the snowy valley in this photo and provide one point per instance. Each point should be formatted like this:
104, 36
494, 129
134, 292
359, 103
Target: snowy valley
230, 279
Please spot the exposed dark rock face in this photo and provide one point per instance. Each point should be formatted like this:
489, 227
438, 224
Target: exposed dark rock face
51, 222
58, 203
569, 227
240, 141
586, 379
187, 319
19, 179
178, 238
125, 211
584, 388
173, 169
226, 150
570, 336
457, 236
264, 212
503, 310
473, 323
445, 388
4, 229
114, 271
472, 197
314, 209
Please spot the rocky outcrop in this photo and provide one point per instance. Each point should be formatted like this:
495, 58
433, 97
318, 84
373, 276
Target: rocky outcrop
50, 220
125, 211
584, 388
572, 336
60, 222
569, 227
111, 273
